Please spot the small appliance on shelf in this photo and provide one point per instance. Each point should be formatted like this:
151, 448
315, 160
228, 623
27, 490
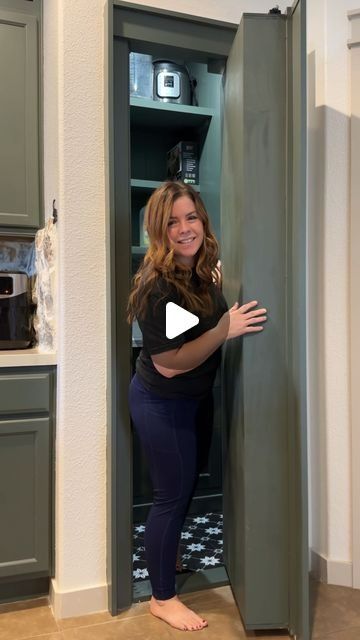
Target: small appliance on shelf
183, 163
172, 82
16, 331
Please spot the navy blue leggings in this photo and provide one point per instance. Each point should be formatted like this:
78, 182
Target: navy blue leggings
168, 430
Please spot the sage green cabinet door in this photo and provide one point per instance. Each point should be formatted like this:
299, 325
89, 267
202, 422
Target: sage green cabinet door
19, 120
264, 259
298, 313
24, 496
254, 262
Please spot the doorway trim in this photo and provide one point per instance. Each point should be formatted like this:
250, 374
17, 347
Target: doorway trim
211, 38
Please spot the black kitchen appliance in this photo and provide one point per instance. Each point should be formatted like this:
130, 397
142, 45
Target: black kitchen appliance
15, 311
183, 163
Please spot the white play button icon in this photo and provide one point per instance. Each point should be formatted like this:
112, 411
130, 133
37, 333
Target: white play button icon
178, 320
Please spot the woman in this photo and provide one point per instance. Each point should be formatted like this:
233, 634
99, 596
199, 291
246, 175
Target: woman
174, 376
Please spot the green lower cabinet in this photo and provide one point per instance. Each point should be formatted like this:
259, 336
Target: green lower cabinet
27, 409
24, 496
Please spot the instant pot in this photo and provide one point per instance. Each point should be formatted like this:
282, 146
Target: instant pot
172, 82
15, 311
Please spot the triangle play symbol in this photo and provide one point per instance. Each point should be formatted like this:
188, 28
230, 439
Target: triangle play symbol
178, 320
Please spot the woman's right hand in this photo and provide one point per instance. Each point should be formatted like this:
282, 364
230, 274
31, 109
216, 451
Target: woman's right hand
242, 320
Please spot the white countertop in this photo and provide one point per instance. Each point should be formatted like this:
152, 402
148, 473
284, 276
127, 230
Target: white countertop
26, 358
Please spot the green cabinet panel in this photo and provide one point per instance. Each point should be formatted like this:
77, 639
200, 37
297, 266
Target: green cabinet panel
168, 34
264, 257
296, 233
24, 392
27, 417
20, 201
256, 422
24, 496
30, 7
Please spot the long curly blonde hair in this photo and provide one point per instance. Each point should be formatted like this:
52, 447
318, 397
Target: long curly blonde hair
159, 260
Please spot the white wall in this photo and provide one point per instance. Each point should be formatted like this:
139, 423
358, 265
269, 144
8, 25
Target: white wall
329, 425
74, 175
354, 265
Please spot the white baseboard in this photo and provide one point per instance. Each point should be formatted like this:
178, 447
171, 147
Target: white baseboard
70, 604
331, 571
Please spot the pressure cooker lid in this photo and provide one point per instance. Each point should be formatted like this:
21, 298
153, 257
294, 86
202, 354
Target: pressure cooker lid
160, 62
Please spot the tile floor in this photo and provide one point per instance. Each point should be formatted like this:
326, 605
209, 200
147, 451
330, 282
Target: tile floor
335, 615
201, 544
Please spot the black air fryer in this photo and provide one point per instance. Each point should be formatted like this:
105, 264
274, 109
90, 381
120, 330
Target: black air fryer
15, 311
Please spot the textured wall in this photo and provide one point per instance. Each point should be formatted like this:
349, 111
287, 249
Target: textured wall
74, 168
336, 280
329, 432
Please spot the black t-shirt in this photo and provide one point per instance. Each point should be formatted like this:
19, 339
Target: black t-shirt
195, 383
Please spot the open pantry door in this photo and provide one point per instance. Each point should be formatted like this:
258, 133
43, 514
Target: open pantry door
263, 250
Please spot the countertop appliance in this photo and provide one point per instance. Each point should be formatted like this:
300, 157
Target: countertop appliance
15, 311
171, 82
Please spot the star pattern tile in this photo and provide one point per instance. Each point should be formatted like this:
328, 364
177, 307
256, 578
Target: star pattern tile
201, 544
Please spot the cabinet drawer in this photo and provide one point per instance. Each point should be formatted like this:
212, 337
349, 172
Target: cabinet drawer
28, 392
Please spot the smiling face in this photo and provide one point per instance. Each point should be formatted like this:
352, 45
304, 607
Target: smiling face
185, 230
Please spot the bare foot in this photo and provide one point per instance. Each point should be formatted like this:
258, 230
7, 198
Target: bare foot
175, 613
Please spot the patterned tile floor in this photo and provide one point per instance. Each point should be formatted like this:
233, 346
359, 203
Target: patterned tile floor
201, 544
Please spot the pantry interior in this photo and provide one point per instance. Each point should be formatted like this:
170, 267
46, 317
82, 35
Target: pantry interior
156, 127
